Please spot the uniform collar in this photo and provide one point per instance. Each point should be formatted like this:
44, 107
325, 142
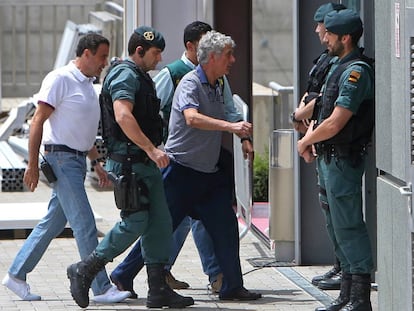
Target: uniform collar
355, 53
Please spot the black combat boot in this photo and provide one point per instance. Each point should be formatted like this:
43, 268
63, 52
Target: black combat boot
81, 275
160, 294
360, 293
344, 295
328, 275
333, 283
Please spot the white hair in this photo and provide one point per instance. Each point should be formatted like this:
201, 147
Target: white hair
212, 42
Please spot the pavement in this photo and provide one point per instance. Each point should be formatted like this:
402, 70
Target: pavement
284, 287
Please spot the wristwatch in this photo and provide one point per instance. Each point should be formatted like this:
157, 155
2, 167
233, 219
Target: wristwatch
292, 117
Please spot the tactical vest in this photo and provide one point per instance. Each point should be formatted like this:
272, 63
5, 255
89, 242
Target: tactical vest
177, 70
318, 73
358, 130
146, 109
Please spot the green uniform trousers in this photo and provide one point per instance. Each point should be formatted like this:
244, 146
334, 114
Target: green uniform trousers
153, 225
344, 217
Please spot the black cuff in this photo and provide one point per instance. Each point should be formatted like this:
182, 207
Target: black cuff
246, 138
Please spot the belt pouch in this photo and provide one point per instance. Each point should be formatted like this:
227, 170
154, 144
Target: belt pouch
128, 192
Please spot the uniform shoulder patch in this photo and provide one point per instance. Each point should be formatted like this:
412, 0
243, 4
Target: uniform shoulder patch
354, 76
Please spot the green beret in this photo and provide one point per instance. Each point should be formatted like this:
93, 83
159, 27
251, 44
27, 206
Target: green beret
343, 22
325, 9
152, 36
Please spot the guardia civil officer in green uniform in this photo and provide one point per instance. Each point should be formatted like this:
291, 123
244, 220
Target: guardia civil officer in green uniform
340, 135
132, 128
306, 112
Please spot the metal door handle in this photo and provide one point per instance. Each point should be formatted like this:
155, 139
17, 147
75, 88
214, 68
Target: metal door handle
406, 190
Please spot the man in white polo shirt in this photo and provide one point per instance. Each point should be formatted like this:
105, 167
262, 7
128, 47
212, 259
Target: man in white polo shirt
66, 123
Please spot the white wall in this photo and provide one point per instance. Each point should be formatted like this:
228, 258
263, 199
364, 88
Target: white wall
273, 42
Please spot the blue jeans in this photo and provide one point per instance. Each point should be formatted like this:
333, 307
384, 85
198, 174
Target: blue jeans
68, 203
203, 243
187, 194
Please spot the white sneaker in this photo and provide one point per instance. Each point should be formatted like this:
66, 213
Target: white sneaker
19, 287
112, 295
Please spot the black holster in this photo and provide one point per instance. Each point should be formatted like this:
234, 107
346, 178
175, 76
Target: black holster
325, 151
131, 194
355, 153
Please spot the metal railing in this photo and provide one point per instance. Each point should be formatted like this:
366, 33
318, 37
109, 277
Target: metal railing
243, 176
285, 107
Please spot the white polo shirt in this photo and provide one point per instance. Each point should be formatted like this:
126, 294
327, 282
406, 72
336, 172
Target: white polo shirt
74, 122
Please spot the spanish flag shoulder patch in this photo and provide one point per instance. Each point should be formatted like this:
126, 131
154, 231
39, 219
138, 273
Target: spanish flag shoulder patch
354, 76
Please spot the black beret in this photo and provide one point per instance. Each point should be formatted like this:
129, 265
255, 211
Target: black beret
343, 22
152, 36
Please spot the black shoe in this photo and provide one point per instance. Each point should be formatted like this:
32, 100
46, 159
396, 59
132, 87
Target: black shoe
124, 287
344, 295
79, 286
336, 305
81, 275
166, 297
360, 293
240, 294
334, 271
160, 294
334, 283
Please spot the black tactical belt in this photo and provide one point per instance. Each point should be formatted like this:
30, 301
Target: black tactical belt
141, 157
